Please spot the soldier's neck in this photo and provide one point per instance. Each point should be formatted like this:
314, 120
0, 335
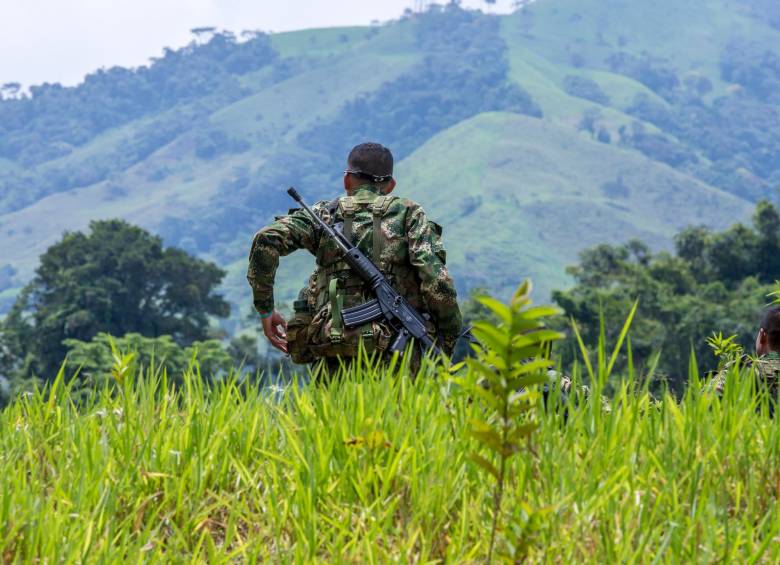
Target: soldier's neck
371, 187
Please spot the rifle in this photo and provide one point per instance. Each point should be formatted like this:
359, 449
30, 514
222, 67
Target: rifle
388, 304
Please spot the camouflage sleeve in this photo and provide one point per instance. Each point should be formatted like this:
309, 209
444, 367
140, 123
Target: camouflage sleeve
282, 237
427, 255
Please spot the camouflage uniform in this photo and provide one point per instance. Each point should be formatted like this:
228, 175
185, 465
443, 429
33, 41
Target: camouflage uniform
767, 370
408, 250
566, 384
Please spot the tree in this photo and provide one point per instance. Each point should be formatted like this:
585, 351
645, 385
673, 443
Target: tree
116, 279
10, 90
766, 220
94, 357
203, 33
6, 364
716, 281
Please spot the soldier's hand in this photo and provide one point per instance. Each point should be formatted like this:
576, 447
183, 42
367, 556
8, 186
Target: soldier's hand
275, 329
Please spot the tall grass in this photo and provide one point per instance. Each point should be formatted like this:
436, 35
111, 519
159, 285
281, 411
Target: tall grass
375, 468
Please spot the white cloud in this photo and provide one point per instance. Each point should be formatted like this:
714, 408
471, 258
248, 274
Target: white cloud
62, 40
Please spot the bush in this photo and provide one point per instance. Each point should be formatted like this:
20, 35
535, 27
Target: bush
716, 281
117, 278
92, 360
583, 87
650, 71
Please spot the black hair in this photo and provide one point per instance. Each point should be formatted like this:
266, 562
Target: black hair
770, 323
371, 161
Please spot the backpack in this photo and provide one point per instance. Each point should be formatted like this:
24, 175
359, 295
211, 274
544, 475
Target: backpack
316, 329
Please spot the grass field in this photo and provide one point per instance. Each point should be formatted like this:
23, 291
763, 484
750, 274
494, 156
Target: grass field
376, 468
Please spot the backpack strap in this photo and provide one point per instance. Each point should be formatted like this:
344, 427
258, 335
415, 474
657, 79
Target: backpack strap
379, 209
336, 305
321, 286
348, 207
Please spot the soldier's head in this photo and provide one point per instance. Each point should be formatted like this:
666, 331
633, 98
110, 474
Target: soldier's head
369, 163
768, 338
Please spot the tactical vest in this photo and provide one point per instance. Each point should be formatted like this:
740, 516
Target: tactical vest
317, 328
766, 369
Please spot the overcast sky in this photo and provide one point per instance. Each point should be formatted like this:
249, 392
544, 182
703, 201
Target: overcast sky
62, 40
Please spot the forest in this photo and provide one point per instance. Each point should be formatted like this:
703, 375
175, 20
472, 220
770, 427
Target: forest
118, 280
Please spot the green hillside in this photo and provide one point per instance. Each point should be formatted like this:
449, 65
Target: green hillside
529, 136
519, 181
689, 35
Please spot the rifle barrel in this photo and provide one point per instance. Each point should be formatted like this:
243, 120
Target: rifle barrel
344, 245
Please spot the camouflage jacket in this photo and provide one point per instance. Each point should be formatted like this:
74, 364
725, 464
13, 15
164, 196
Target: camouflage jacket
767, 370
411, 255
566, 384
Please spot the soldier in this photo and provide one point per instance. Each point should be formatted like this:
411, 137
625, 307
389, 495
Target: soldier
394, 232
767, 362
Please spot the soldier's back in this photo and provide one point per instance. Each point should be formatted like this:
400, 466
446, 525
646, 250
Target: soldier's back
397, 235
768, 371
765, 368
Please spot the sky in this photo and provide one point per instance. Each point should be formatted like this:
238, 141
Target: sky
62, 40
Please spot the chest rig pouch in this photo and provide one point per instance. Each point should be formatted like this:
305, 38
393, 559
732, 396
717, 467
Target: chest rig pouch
317, 329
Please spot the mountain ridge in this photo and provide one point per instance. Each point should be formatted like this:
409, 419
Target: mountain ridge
211, 168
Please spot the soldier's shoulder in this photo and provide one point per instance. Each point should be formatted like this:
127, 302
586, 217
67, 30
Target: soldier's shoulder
411, 208
406, 202
768, 364
323, 208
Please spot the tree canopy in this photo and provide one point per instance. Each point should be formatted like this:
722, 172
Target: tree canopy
118, 279
712, 282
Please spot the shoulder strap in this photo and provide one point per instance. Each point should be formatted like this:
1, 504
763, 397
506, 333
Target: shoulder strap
347, 205
336, 305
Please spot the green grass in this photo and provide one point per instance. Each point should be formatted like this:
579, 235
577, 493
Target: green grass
321, 42
374, 469
276, 115
390, 38
543, 79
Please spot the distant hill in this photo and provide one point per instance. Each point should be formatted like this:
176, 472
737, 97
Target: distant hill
529, 136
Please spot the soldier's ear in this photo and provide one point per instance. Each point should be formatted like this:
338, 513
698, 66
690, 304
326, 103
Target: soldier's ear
390, 186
